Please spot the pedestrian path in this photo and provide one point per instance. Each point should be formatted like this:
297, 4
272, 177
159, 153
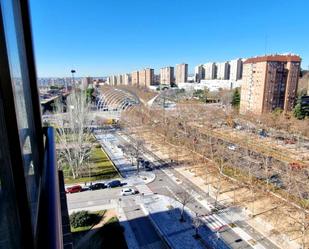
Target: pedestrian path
172, 176
144, 189
214, 223
164, 212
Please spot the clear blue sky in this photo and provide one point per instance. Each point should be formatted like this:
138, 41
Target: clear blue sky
102, 37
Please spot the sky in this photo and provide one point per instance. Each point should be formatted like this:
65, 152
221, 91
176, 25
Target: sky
104, 37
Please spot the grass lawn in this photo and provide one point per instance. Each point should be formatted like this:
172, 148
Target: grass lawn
100, 168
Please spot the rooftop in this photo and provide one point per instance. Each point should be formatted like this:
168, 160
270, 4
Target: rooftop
276, 57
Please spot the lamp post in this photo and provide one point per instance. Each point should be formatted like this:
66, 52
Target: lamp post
73, 80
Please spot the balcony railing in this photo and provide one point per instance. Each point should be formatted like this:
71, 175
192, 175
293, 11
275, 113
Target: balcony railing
49, 229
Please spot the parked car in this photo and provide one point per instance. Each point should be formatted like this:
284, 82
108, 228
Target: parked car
148, 168
74, 189
98, 185
128, 191
113, 184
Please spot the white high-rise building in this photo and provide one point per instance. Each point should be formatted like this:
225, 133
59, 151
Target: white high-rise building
236, 69
223, 69
114, 80
210, 71
181, 73
126, 78
119, 79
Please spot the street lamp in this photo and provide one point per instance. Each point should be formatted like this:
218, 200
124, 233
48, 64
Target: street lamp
73, 80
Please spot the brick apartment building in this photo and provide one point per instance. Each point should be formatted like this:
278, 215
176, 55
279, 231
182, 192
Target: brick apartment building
269, 82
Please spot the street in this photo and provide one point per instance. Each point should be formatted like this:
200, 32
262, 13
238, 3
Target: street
167, 182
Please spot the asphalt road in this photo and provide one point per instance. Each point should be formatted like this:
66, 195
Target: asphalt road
145, 234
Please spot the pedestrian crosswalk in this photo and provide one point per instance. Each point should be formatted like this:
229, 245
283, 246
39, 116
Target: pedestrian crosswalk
213, 222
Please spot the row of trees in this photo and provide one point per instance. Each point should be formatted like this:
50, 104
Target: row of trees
176, 128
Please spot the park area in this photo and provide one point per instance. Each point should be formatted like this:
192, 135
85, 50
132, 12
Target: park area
97, 167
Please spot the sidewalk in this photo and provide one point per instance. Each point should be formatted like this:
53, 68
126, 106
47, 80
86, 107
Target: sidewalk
110, 144
164, 213
230, 215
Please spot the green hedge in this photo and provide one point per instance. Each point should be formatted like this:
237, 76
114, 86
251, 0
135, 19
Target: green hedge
83, 219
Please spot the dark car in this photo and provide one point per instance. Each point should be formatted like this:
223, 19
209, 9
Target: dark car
96, 186
114, 184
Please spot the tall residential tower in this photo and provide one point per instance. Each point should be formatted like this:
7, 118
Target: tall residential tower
269, 82
181, 73
167, 75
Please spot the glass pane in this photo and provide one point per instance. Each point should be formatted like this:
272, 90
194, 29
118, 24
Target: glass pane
22, 97
9, 225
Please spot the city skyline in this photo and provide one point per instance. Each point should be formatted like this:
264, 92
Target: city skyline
104, 38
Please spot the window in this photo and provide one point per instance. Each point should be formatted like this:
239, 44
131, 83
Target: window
22, 97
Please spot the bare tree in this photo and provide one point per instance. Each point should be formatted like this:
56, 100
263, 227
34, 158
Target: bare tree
134, 151
197, 222
184, 198
73, 132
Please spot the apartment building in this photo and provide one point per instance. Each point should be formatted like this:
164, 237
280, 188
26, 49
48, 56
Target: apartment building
210, 71
181, 73
269, 82
135, 78
126, 79
167, 75
199, 73
223, 71
119, 79
142, 78
235, 69
149, 74
113, 80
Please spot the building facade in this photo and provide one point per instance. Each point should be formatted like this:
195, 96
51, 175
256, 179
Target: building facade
269, 82
235, 69
199, 73
181, 74
113, 80
142, 78
126, 79
210, 70
223, 71
167, 75
119, 79
149, 77
135, 78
